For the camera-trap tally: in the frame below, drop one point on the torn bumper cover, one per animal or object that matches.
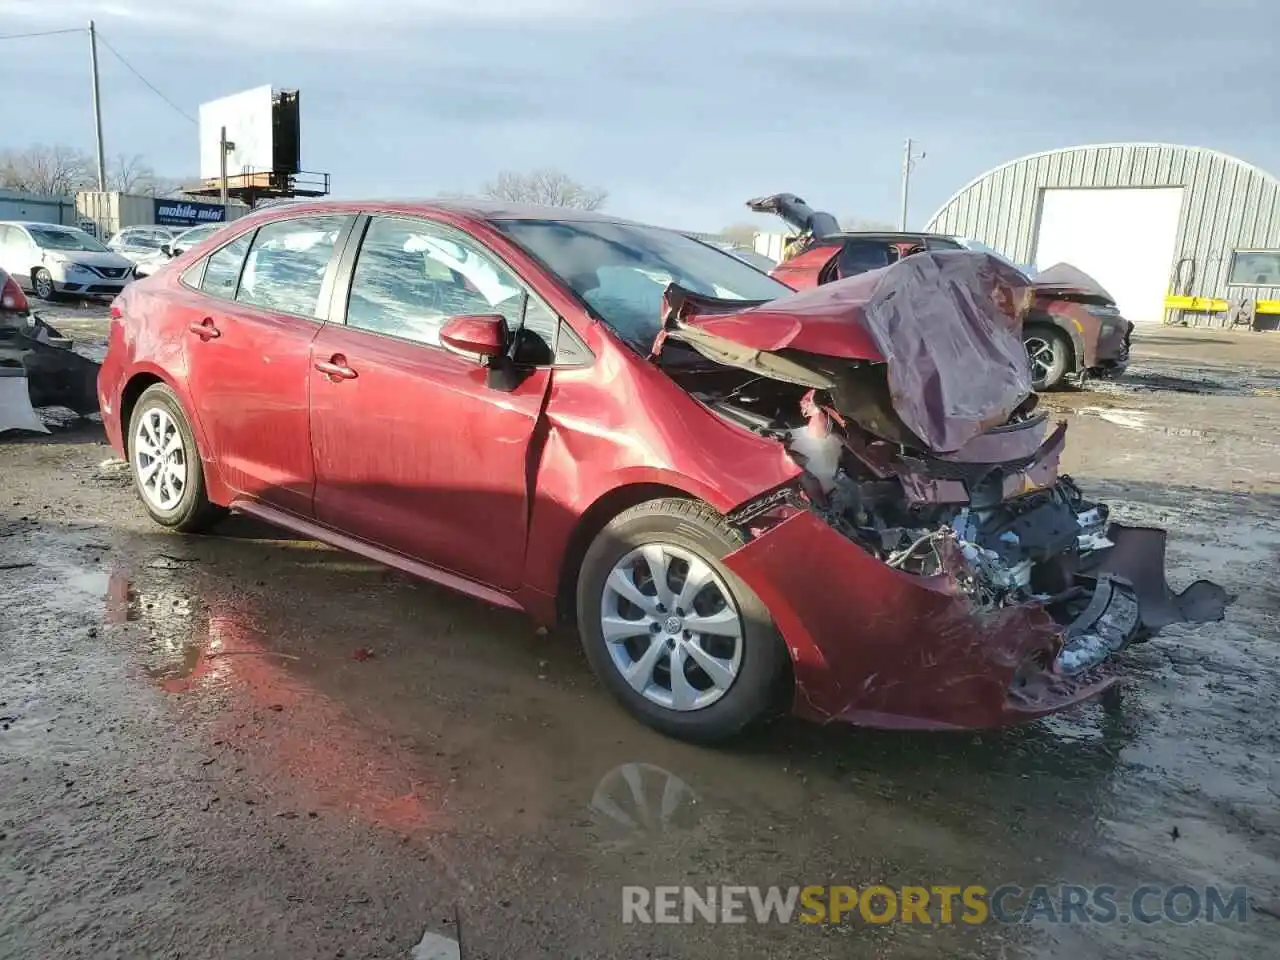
(38, 368)
(879, 647)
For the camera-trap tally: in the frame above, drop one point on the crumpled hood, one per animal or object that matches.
(946, 324)
(1064, 277)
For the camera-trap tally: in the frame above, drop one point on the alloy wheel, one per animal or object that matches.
(1040, 353)
(671, 626)
(160, 459)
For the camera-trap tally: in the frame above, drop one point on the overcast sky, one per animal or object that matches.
(681, 109)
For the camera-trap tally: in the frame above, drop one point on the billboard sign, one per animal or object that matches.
(184, 213)
(248, 118)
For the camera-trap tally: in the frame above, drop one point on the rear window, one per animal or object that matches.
(1255, 268)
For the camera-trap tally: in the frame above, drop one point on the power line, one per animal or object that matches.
(42, 33)
(151, 86)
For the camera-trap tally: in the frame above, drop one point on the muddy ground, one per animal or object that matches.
(245, 745)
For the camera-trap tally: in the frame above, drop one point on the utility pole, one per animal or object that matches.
(225, 146)
(97, 107)
(908, 162)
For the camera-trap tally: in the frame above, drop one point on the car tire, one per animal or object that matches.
(183, 506)
(689, 536)
(42, 285)
(1050, 354)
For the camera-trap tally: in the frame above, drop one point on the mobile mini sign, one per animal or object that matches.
(182, 213)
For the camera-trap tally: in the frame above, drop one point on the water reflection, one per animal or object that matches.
(639, 802)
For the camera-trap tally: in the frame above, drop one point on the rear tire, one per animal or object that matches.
(1050, 354)
(716, 632)
(166, 466)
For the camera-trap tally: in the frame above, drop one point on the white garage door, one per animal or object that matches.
(1123, 238)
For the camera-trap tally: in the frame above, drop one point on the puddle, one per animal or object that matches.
(639, 803)
(1132, 419)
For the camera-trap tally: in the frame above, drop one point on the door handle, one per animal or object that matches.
(335, 368)
(205, 329)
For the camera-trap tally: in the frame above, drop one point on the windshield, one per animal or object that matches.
(620, 270)
(65, 238)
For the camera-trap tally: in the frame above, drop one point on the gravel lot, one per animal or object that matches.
(243, 745)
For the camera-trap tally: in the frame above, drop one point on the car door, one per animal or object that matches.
(248, 350)
(414, 451)
(18, 254)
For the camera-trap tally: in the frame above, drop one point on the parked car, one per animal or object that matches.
(141, 241)
(1073, 329)
(191, 237)
(758, 260)
(176, 243)
(38, 367)
(735, 491)
(50, 259)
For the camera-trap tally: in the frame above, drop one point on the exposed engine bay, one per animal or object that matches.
(1033, 547)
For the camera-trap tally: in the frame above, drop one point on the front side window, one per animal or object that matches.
(1255, 268)
(285, 269)
(411, 276)
(222, 269)
(620, 270)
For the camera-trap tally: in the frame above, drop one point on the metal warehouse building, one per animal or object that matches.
(1174, 233)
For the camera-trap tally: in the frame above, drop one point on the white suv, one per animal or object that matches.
(51, 259)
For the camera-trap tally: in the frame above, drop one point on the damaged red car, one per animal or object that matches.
(742, 495)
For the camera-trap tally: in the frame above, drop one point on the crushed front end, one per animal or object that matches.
(957, 583)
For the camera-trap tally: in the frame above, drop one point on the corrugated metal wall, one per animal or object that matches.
(112, 211)
(26, 206)
(1228, 205)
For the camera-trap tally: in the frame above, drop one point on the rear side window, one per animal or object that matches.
(222, 272)
(859, 256)
(286, 265)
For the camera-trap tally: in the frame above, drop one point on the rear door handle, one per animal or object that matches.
(335, 368)
(205, 329)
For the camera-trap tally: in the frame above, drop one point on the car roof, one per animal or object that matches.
(888, 235)
(474, 208)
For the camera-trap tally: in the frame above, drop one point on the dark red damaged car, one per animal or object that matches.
(740, 493)
(1072, 331)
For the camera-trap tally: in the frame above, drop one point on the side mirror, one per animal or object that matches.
(484, 335)
(167, 250)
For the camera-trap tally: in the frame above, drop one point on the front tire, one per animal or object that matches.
(680, 641)
(42, 284)
(1050, 354)
(165, 462)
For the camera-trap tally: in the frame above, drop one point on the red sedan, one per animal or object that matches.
(735, 490)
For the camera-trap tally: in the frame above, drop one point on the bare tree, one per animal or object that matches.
(546, 187)
(49, 171)
(129, 174)
(864, 223)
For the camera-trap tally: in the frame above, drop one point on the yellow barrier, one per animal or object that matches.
(1214, 305)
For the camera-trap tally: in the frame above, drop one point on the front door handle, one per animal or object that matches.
(205, 329)
(335, 368)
